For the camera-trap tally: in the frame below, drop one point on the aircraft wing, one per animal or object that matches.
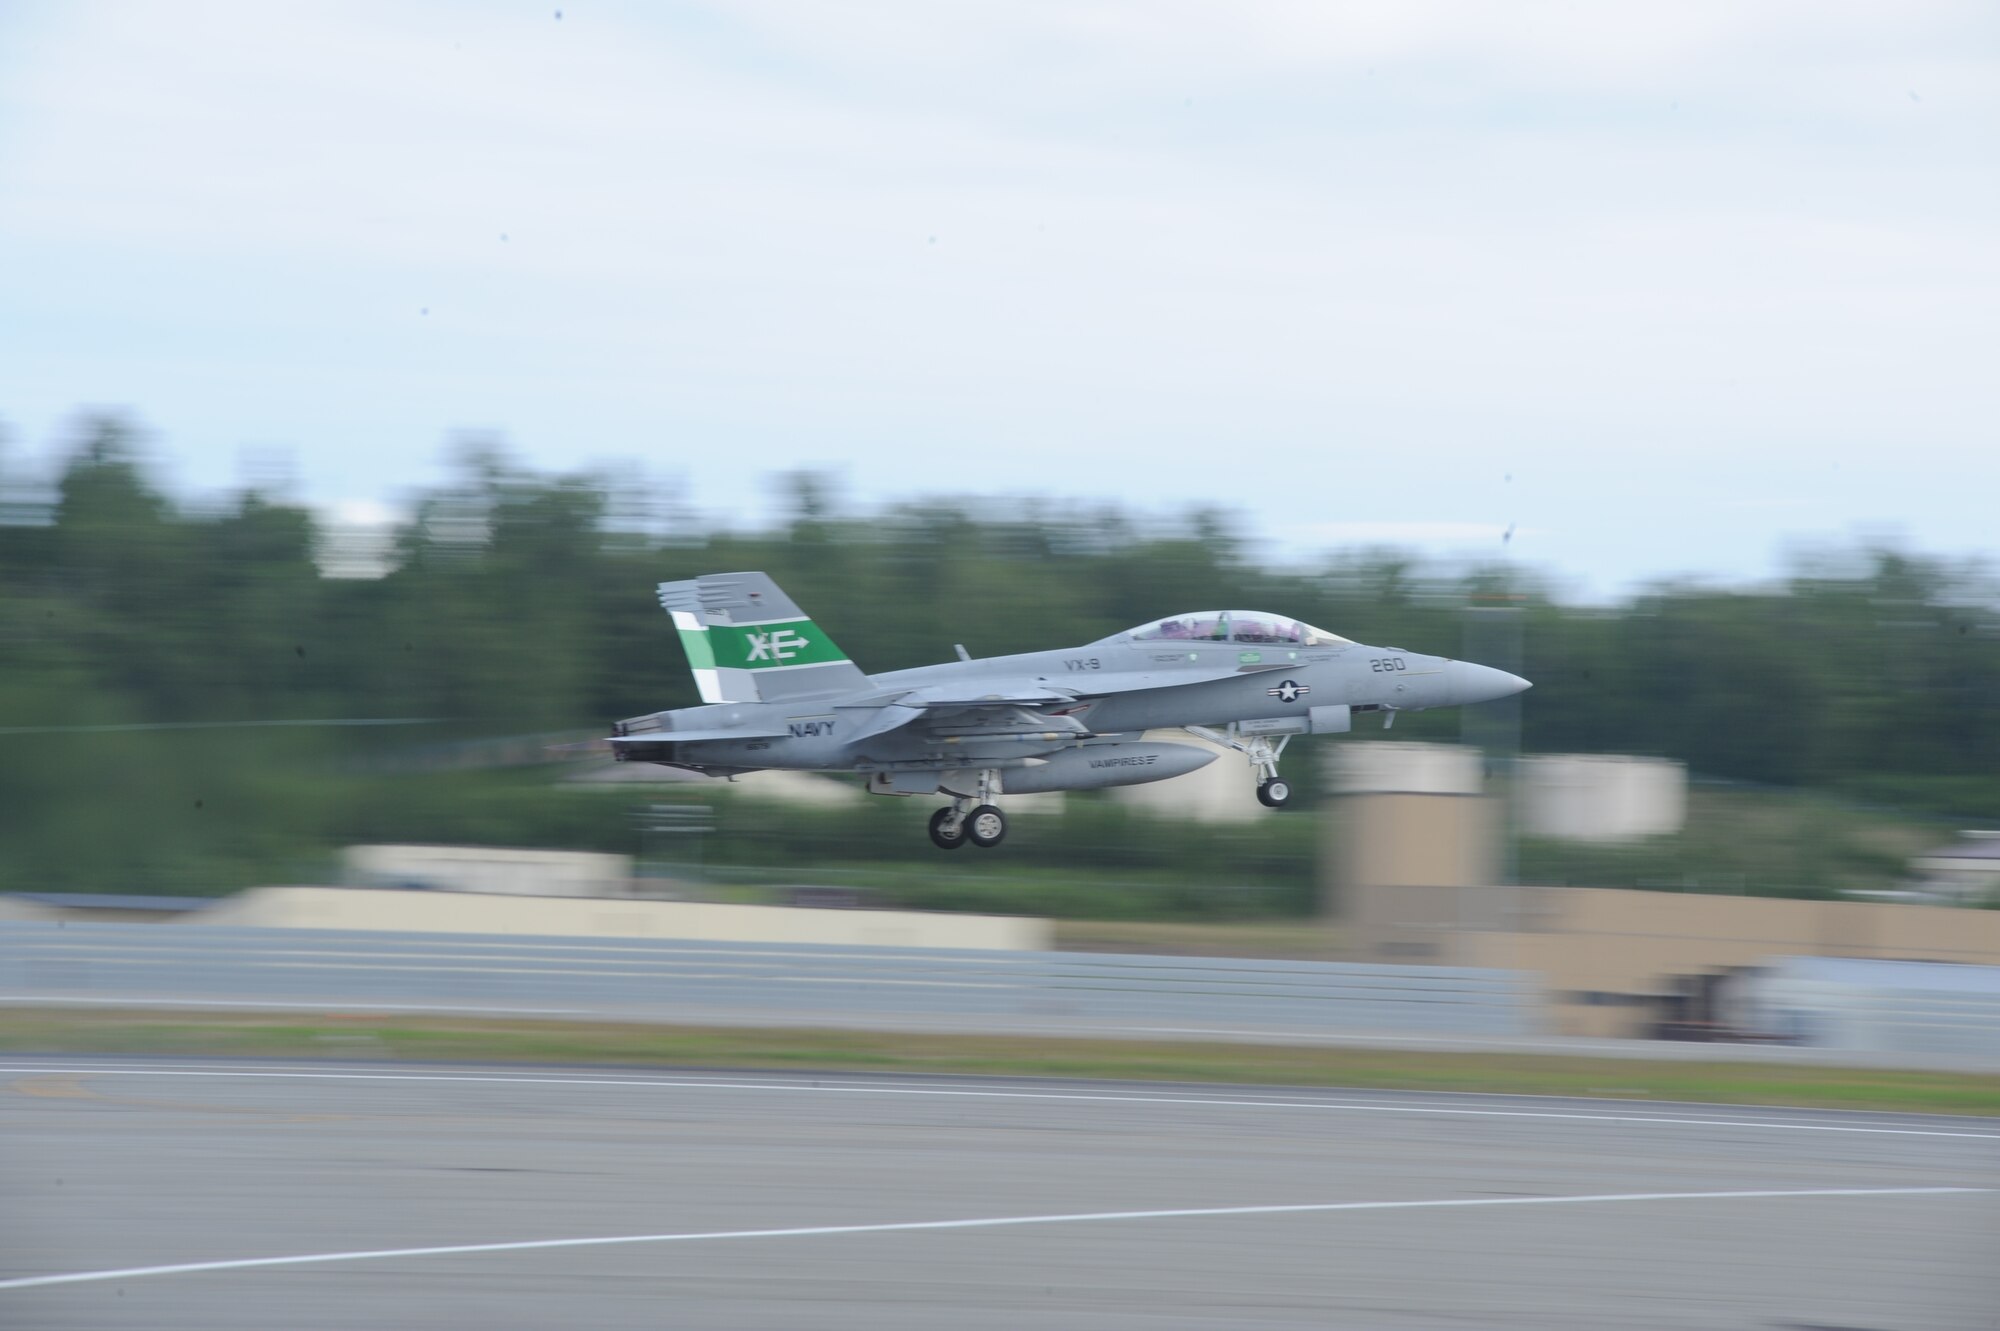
(1023, 692)
(996, 707)
(951, 708)
(1133, 681)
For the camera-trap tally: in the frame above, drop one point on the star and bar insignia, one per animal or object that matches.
(1289, 691)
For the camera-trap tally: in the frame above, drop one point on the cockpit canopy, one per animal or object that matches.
(1251, 627)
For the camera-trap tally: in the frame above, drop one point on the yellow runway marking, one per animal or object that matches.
(65, 1087)
(69, 1086)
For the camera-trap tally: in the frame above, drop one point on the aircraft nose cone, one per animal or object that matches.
(1471, 683)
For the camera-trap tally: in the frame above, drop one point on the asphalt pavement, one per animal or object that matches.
(185, 1194)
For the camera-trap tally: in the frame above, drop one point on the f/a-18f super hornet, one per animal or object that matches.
(777, 693)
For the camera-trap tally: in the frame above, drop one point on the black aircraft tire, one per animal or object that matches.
(938, 837)
(985, 827)
(1275, 793)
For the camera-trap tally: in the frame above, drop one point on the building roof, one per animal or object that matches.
(1972, 848)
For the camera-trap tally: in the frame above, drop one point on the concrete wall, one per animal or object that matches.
(1385, 766)
(1392, 842)
(1884, 1007)
(475, 913)
(1614, 944)
(541, 873)
(1405, 816)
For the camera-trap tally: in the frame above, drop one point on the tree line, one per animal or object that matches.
(144, 643)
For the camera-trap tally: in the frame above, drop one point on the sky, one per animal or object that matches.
(1617, 291)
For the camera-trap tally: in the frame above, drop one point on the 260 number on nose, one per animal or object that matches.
(1385, 664)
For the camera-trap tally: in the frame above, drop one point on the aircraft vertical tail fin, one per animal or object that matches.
(747, 642)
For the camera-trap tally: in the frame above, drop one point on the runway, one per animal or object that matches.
(209, 1194)
(1066, 995)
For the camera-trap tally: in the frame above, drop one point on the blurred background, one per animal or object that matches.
(199, 697)
(363, 368)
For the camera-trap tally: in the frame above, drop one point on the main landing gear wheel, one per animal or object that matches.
(947, 830)
(1275, 793)
(984, 827)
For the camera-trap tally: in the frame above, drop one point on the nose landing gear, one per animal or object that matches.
(1263, 751)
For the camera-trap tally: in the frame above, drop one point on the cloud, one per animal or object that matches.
(1251, 255)
(1768, 503)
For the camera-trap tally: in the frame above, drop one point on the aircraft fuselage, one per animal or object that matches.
(1161, 686)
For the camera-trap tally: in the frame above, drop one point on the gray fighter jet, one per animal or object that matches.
(777, 693)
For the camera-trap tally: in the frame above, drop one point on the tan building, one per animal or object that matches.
(1410, 877)
(1611, 960)
(1968, 871)
(1600, 796)
(1406, 815)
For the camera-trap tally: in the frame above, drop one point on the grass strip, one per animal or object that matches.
(446, 1039)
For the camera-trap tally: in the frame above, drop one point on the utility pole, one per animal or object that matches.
(1493, 632)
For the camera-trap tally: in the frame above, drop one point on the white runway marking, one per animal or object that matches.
(965, 1092)
(1087, 1217)
(718, 970)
